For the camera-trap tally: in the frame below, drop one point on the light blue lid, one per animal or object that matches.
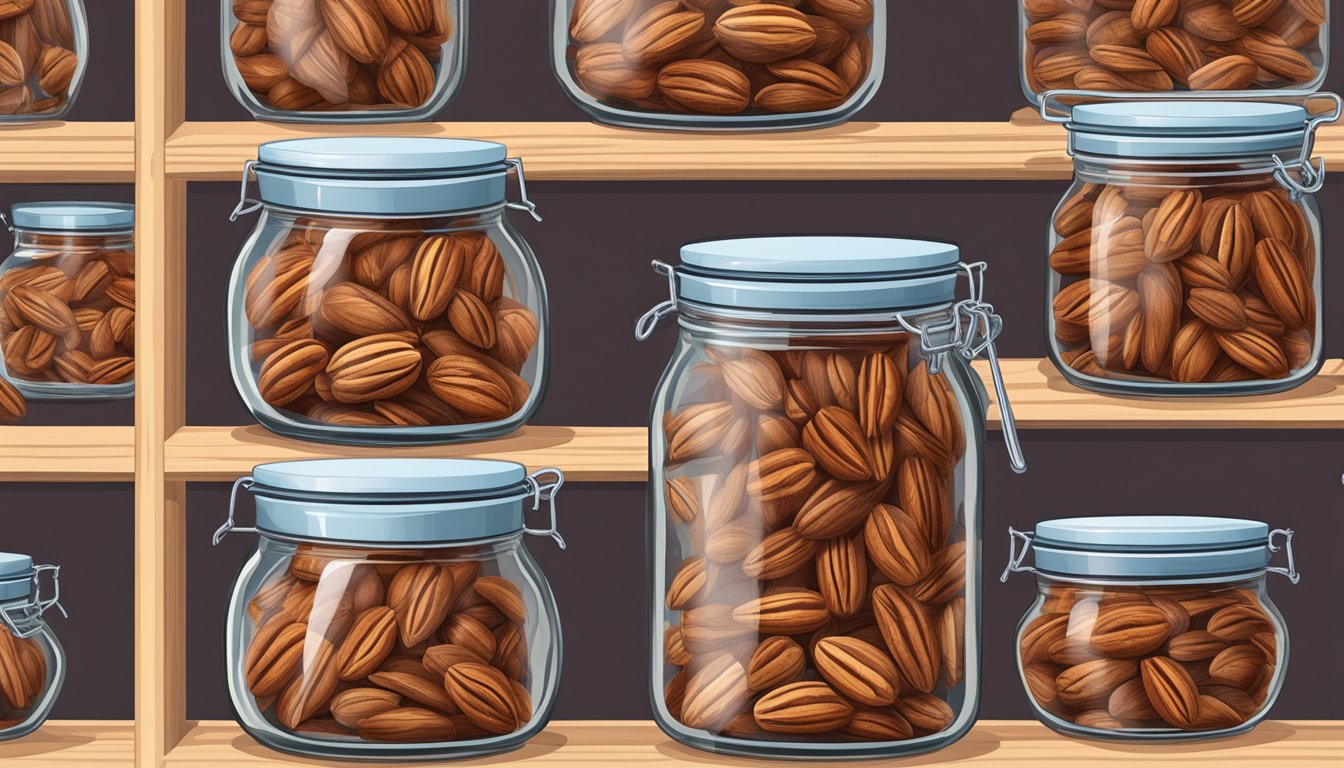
(73, 217)
(1144, 546)
(16, 576)
(382, 153)
(1186, 129)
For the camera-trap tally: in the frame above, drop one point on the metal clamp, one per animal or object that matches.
(1015, 558)
(228, 526)
(26, 620)
(648, 323)
(546, 492)
(4, 219)
(1291, 570)
(246, 204)
(1313, 175)
(526, 205)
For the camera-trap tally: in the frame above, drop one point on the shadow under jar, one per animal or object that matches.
(44, 49)
(353, 61)
(32, 662)
(1152, 628)
(1186, 257)
(383, 297)
(719, 64)
(815, 499)
(1250, 48)
(391, 610)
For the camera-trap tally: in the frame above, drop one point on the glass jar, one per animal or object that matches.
(815, 498)
(719, 64)
(1152, 628)
(46, 44)
(1247, 49)
(391, 611)
(353, 62)
(32, 662)
(67, 301)
(383, 297)
(1186, 257)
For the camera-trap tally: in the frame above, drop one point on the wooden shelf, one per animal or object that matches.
(67, 454)
(993, 744)
(72, 743)
(54, 153)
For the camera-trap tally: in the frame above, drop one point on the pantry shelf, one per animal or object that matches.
(67, 743)
(67, 454)
(54, 153)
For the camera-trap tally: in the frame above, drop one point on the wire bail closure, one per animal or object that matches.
(546, 493)
(26, 620)
(1313, 176)
(1291, 571)
(246, 204)
(228, 527)
(1015, 558)
(649, 322)
(526, 204)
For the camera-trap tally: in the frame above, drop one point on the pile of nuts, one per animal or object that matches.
(388, 328)
(1164, 45)
(824, 588)
(1190, 285)
(1120, 658)
(37, 57)
(409, 647)
(23, 677)
(336, 55)
(722, 57)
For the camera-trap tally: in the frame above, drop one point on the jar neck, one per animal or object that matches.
(723, 324)
(47, 240)
(480, 218)
(1255, 171)
(1046, 580)
(443, 550)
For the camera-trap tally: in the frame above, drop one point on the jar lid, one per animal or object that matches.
(1186, 129)
(398, 477)
(16, 576)
(1151, 546)
(73, 217)
(420, 154)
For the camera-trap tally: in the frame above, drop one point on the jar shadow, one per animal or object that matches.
(1324, 384)
(526, 439)
(43, 742)
(540, 745)
(977, 743)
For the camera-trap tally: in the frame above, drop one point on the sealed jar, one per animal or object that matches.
(44, 49)
(1186, 257)
(383, 297)
(719, 64)
(353, 62)
(1251, 48)
(391, 609)
(67, 301)
(1152, 628)
(32, 662)
(815, 497)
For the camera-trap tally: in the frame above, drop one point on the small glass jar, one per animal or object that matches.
(351, 62)
(46, 46)
(32, 662)
(817, 448)
(1245, 49)
(67, 301)
(383, 297)
(391, 610)
(719, 64)
(1186, 257)
(1152, 628)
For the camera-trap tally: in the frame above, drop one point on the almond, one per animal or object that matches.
(775, 662)
(358, 27)
(705, 86)
(373, 368)
(784, 612)
(803, 707)
(835, 508)
(763, 32)
(661, 34)
(1211, 21)
(1239, 623)
(409, 16)
(1171, 691)
(435, 271)
(1220, 309)
(931, 398)
(695, 430)
(1148, 15)
(592, 20)
(415, 686)
(1256, 351)
(952, 641)
(853, 15)
(927, 713)
(410, 725)
(1194, 351)
(715, 693)
(1283, 282)
(946, 576)
(1129, 630)
(842, 575)
(753, 376)
(602, 70)
(779, 554)
(311, 691)
(1092, 682)
(351, 308)
(896, 545)
(857, 670)
(1229, 73)
(712, 627)
(1175, 225)
(471, 386)
(276, 284)
(1177, 51)
(835, 438)
(485, 696)
(350, 706)
(909, 637)
(420, 595)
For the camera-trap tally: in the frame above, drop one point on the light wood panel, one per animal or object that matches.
(67, 454)
(54, 153)
(71, 743)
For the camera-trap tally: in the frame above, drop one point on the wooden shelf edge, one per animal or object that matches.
(67, 454)
(991, 743)
(90, 153)
(73, 743)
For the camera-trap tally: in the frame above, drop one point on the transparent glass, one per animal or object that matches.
(343, 651)
(1184, 279)
(67, 315)
(705, 71)
(815, 494)
(34, 671)
(1259, 49)
(1152, 660)
(49, 40)
(314, 62)
(387, 330)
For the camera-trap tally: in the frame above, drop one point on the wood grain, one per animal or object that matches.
(71, 743)
(67, 454)
(54, 153)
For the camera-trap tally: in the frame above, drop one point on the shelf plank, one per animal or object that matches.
(72, 743)
(992, 744)
(54, 153)
(67, 454)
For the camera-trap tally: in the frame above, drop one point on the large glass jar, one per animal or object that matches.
(719, 64)
(44, 49)
(32, 663)
(1150, 628)
(392, 611)
(357, 61)
(815, 498)
(383, 297)
(1251, 48)
(1186, 257)
(67, 302)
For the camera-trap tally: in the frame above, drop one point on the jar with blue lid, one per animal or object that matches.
(32, 662)
(1186, 257)
(383, 297)
(67, 301)
(1152, 628)
(391, 610)
(817, 451)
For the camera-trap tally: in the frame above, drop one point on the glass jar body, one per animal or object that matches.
(700, 66)
(51, 40)
(297, 61)
(1170, 279)
(1199, 660)
(26, 697)
(69, 315)
(342, 651)
(388, 330)
(1275, 48)
(815, 492)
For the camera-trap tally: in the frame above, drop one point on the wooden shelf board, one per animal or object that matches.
(72, 743)
(56, 153)
(994, 744)
(66, 454)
